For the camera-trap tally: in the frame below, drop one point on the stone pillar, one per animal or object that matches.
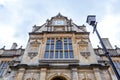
(97, 74)
(12, 75)
(43, 74)
(74, 74)
(20, 74)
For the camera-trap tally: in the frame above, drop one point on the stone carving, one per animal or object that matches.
(32, 54)
(85, 54)
(86, 79)
(30, 79)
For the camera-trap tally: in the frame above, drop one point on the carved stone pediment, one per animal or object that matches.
(85, 54)
(32, 54)
(82, 42)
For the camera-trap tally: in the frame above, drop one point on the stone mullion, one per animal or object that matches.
(74, 74)
(20, 74)
(43, 74)
(97, 74)
(63, 47)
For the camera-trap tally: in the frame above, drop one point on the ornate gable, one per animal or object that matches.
(59, 23)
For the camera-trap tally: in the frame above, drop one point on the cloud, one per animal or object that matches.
(18, 17)
(109, 27)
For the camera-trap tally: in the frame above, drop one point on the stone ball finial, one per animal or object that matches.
(116, 46)
(3, 47)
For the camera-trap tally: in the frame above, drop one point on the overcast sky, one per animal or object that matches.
(18, 16)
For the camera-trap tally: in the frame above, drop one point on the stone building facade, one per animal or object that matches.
(58, 50)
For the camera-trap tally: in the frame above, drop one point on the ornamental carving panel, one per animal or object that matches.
(32, 75)
(32, 54)
(85, 54)
(105, 75)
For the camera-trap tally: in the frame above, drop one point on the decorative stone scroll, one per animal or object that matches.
(85, 54)
(32, 54)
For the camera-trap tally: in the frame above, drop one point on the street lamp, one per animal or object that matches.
(91, 20)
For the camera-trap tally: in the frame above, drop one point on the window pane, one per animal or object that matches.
(48, 40)
(46, 55)
(117, 66)
(61, 54)
(66, 54)
(52, 47)
(65, 46)
(70, 47)
(47, 47)
(3, 68)
(69, 40)
(59, 45)
(51, 54)
(52, 40)
(71, 54)
(56, 54)
(65, 40)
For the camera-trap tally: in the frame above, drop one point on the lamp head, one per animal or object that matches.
(91, 20)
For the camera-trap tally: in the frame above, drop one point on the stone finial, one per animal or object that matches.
(83, 25)
(34, 26)
(14, 46)
(20, 47)
(3, 47)
(98, 46)
(116, 47)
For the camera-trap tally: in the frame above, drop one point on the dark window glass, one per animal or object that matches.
(61, 54)
(70, 47)
(117, 65)
(52, 47)
(47, 47)
(71, 54)
(66, 54)
(48, 40)
(56, 54)
(3, 68)
(65, 46)
(65, 40)
(51, 54)
(46, 55)
(59, 45)
(52, 40)
(69, 40)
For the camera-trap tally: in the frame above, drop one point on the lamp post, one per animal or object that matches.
(91, 20)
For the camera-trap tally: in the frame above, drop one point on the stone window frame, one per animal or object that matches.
(59, 52)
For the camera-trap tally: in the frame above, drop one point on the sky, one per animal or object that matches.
(17, 17)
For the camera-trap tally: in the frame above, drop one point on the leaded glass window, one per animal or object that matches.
(3, 68)
(59, 48)
(46, 54)
(117, 65)
(59, 45)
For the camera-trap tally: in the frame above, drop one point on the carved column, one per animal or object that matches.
(97, 74)
(43, 74)
(20, 74)
(74, 74)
